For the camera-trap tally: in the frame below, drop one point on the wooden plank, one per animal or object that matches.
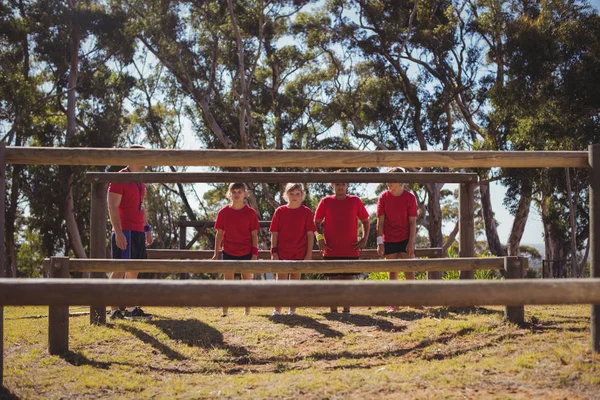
(296, 158)
(283, 177)
(98, 215)
(314, 266)
(176, 254)
(58, 315)
(594, 160)
(1, 347)
(466, 222)
(2, 206)
(193, 293)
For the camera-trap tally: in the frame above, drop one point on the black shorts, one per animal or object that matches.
(225, 256)
(136, 246)
(395, 247)
(341, 274)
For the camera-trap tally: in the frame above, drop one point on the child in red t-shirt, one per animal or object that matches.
(292, 230)
(237, 230)
(337, 229)
(396, 225)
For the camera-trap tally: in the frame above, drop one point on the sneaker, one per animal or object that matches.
(346, 311)
(275, 312)
(292, 312)
(247, 311)
(391, 309)
(224, 314)
(116, 314)
(136, 313)
(333, 310)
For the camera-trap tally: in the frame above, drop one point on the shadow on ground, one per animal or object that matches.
(306, 322)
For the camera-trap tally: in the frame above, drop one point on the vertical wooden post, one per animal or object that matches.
(513, 267)
(466, 225)
(58, 316)
(98, 211)
(435, 275)
(182, 233)
(2, 259)
(594, 160)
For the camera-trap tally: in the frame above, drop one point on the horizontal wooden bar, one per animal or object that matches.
(296, 158)
(314, 266)
(191, 293)
(176, 254)
(283, 177)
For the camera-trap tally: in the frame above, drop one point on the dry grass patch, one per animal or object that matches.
(193, 352)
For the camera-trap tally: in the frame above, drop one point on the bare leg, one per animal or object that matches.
(117, 275)
(333, 309)
(228, 277)
(247, 277)
(347, 278)
(294, 277)
(281, 277)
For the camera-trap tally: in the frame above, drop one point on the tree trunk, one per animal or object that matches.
(572, 211)
(548, 256)
(69, 212)
(489, 222)
(435, 215)
(520, 221)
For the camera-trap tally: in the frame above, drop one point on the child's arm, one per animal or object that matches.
(380, 224)
(310, 242)
(255, 243)
(218, 242)
(274, 242)
(319, 236)
(366, 227)
(412, 228)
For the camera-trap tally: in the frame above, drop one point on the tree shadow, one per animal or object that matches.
(6, 394)
(439, 312)
(365, 320)
(305, 322)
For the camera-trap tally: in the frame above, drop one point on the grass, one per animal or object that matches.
(194, 353)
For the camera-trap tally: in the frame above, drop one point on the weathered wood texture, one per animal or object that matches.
(594, 160)
(282, 177)
(2, 259)
(98, 216)
(466, 222)
(314, 266)
(298, 293)
(175, 254)
(58, 315)
(514, 269)
(1, 346)
(297, 158)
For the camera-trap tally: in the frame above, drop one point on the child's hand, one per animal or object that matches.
(360, 244)
(215, 257)
(380, 250)
(254, 257)
(323, 246)
(149, 238)
(308, 257)
(410, 249)
(274, 256)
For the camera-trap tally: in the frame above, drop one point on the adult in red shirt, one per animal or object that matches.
(396, 225)
(337, 229)
(130, 231)
(292, 233)
(237, 232)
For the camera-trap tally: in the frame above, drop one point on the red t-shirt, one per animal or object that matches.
(292, 224)
(237, 228)
(340, 226)
(397, 210)
(132, 218)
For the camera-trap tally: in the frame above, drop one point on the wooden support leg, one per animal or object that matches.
(594, 161)
(58, 316)
(98, 212)
(514, 270)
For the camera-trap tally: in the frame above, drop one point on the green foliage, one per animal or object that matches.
(30, 255)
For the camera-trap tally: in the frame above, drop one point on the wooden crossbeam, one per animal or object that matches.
(283, 177)
(176, 254)
(262, 266)
(296, 158)
(56, 292)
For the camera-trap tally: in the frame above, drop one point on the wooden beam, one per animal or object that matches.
(283, 177)
(513, 267)
(314, 266)
(98, 215)
(466, 223)
(296, 158)
(594, 160)
(2, 259)
(192, 293)
(58, 315)
(175, 254)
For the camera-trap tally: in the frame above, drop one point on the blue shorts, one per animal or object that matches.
(136, 246)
